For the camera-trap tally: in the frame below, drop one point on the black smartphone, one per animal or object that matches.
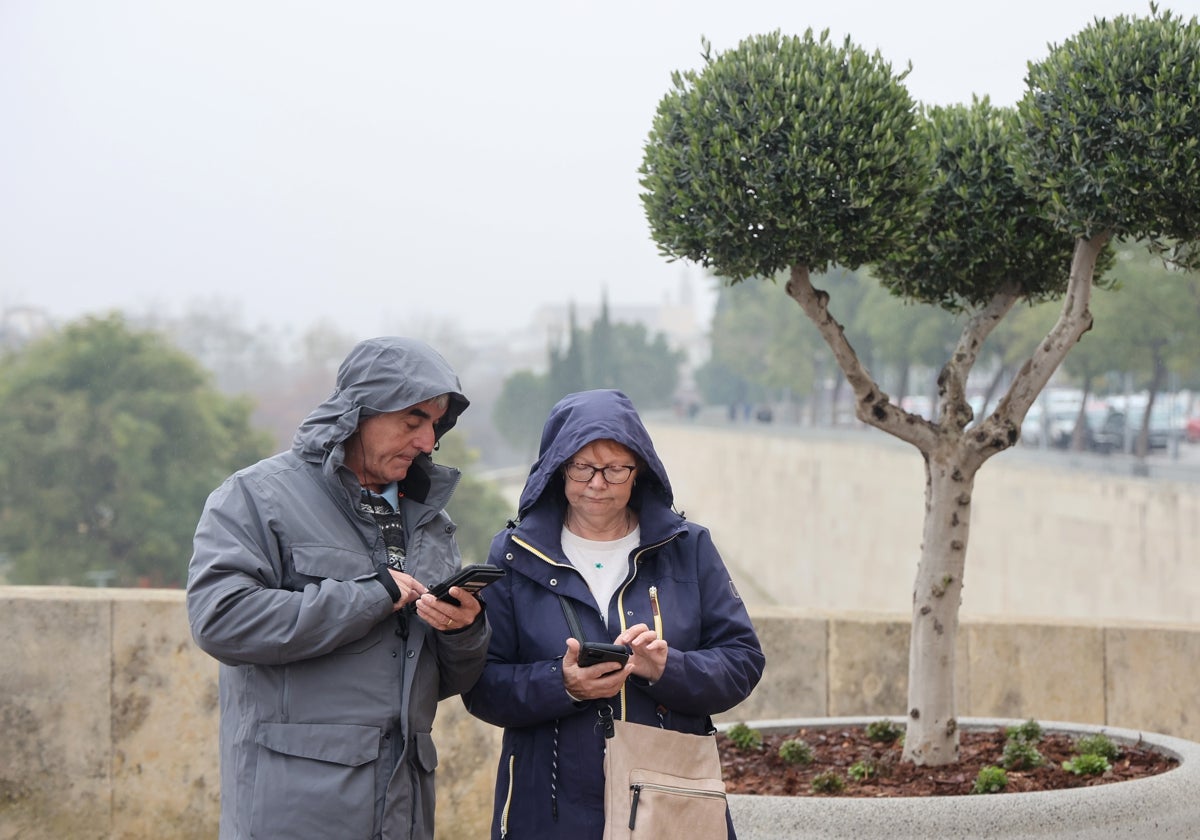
(593, 653)
(471, 578)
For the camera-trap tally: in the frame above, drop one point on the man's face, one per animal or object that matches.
(387, 444)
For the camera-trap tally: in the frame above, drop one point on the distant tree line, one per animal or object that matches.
(111, 439)
(606, 355)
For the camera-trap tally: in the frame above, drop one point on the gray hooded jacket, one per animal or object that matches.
(327, 697)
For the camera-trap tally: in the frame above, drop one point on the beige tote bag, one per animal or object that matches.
(661, 784)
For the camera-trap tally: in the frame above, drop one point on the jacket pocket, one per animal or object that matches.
(317, 562)
(311, 780)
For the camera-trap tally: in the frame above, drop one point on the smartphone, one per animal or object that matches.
(471, 578)
(593, 653)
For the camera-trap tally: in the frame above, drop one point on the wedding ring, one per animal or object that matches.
(447, 622)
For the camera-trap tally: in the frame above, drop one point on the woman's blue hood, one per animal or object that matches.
(585, 417)
(378, 376)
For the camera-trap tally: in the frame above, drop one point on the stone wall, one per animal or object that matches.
(110, 711)
(834, 523)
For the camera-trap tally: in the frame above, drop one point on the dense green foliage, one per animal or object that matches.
(982, 230)
(1112, 132)
(786, 150)
(112, 440)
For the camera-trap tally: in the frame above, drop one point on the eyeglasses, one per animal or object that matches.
(583, 472)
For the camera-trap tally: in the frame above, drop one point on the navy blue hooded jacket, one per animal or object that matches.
(551, 780)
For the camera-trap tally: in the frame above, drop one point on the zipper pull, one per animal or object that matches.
(637, 792)
(654, 609)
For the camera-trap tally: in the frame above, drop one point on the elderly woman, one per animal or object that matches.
(597, 527)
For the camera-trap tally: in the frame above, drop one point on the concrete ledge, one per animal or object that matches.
(1163, 807)
(110, 711)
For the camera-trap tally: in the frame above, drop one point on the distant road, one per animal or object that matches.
(1178, 463)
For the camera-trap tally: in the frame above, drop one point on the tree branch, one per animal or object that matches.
(871, 404)
(952, 381)
(1073, 321)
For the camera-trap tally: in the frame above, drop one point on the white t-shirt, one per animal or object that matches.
(604, 564)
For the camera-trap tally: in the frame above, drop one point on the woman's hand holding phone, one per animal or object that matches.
(596, 681)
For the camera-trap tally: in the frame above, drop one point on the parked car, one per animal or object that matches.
(1111, 435)
(1057, 428)
(1191, 429)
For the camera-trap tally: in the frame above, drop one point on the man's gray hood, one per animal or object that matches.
(378, 376)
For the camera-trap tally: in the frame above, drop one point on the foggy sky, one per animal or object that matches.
(388, 164)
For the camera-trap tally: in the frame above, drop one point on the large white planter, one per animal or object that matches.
(1162, 806)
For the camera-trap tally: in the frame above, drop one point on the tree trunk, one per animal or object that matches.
(952, 456)
(932, 733)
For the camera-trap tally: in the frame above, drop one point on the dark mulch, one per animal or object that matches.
(764, 772)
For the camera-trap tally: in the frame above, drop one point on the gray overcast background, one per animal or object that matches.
(384, 164)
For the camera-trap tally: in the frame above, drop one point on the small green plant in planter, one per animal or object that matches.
(1088, 764)
(1029, 731)
(828, 782)
(1020, 754)
(1099, 744)
(860, 771)
(884, 730)
(1020, 750)
(796, 751)
(991, 779)
(745, 738)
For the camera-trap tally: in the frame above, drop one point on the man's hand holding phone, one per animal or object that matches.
(450, 604)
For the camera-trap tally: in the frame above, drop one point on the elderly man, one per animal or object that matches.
(308, 582)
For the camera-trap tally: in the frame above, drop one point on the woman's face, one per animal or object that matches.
(596, 499)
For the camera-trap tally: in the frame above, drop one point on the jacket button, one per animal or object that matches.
(393, 654)
(411, 654)
(554, 581)
(508, 556)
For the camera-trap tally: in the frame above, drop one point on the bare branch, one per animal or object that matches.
(871, 404)
(952, 382)
(1073, 321)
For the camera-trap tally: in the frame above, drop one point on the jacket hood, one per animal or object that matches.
(379, 375)
(582, 418)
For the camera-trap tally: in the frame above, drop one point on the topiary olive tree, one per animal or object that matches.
(795, 154)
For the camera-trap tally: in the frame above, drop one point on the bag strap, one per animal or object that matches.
(604, 710)
(572, 618)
